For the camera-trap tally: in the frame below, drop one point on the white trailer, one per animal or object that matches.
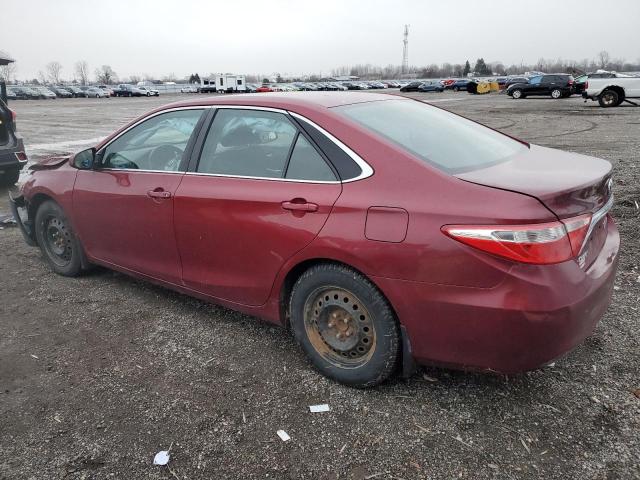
(223, 83)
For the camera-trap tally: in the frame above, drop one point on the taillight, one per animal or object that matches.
(539, 243)
(586, 85)
(13, 116)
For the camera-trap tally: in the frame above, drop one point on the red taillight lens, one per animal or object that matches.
(577, 228)
(13, 116)
(586, 85)
(540, 243)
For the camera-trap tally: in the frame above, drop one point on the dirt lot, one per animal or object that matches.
(97, 374)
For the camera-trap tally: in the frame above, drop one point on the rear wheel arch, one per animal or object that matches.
(300, 268)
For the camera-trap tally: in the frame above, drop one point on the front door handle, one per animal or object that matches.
(300, 205)
(159, 193)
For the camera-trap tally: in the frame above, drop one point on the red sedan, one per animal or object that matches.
(379, 229)
(264, 89)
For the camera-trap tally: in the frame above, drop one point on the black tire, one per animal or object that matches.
(358, 349)
(556, 93)
(609, 98)
(517, 93)
(56, 239)
(9, 177)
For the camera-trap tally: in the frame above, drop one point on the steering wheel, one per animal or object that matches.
(166, 157)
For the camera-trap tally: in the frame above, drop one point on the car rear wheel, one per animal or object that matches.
(609, 98)
(556, 93)
(9, 177)
(57, 241)
(345, 325)
(517, 94)
(456, 89)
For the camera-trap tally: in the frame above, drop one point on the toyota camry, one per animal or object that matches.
(380, 230)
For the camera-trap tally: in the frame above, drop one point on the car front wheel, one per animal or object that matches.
(57, 241)
(556, 93)
(517, 94)
(345, 325)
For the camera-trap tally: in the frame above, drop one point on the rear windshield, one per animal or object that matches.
(449, 142)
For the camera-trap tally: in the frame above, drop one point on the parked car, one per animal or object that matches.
(264, 88)
(469, 248)
(611, 91)
(25, 93)
(12, 154)
(126, 90)
(108, 89)
(431, 86)
(579, 84)
(553, 85)
(11, 95)
(513, 80)
(60, 91)
(150, 92)
(461, 84)
(189, 89)
(75, 91)
(412, 87)
(95, 92)
(447, 83)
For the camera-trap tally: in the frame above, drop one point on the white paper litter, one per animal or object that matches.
(319, 408)
(283, 435)
(161, 458)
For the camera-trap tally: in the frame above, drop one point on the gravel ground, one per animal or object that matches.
(99, 373)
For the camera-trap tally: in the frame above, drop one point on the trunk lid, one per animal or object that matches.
(568, 184)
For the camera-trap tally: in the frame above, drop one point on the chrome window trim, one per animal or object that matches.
(141, 170)
(366, 169)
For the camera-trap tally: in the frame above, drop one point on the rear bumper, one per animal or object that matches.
(537, 314)
(8, 157)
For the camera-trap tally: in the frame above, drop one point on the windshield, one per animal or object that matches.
(447, 141)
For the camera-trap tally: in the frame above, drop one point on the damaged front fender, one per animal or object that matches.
(20, 213)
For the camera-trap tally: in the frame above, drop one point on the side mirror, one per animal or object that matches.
(85, 159)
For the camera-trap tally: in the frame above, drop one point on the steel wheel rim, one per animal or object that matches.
(607, 98)
(57, 241)
(339, 327)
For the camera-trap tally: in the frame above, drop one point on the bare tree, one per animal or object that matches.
(53, 72)
(603, 59)
(42, 78)
(105, 74)
(82, 72)
(7, 72)
(134, 79)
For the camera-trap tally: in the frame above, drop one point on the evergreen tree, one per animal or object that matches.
(467, 69)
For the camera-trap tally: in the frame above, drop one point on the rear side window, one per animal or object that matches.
(307, 164)
(448, 142)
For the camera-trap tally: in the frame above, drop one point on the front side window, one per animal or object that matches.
(450, 143)
(248, 143)
(155, 144)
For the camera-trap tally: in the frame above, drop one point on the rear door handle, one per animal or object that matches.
(159, 194)
(300, 206)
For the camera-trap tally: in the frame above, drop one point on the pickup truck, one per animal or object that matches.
(612, 89)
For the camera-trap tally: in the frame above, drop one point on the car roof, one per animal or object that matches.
(289, 100)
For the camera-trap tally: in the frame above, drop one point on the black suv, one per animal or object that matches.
(554, 85)
(12, 156)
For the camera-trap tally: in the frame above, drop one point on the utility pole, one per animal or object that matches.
(405, 50)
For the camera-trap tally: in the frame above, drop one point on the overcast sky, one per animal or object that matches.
(297, 37)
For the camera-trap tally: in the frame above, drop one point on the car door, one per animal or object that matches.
(549, 82)
(259, 192)
(123, 208)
